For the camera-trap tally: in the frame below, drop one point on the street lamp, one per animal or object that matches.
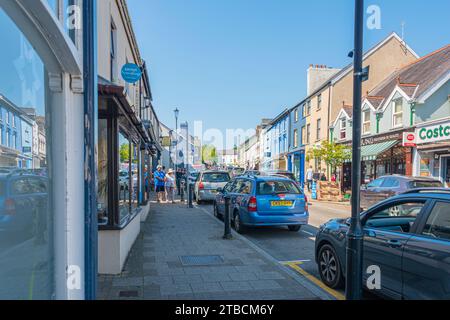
(354, 250)
(176, 113)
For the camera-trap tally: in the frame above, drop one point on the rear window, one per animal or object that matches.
(216, 177)
(276, 187)
(425, 184)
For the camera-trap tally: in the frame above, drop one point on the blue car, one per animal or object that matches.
(263, 201)
(406, 238)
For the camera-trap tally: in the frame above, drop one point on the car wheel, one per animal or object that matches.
(394, 211)
(294, 228)
(237, 224)
(330, 267)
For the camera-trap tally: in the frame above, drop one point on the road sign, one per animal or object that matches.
(131, 73)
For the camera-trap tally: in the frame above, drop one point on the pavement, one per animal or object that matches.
(157, 267)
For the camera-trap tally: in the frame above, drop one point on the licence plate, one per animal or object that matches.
(281, 203)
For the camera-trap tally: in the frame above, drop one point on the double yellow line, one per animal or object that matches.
(296, 266)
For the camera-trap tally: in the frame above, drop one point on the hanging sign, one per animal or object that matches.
(409, 139)
(131, 73)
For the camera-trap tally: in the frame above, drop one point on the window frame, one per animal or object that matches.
(424, 219)
(319, 101)
(295, 142)
(365, 122)
(343, 128)
(318, 129)
(397, 114)
(308, 133)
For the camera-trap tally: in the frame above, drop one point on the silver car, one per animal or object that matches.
(207, 183)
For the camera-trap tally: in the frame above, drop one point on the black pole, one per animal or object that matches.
(90, 145)
(191, 193)
(355, 233)
(227, 219)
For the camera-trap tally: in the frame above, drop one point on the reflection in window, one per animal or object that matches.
(102, 197)
(124, 176)
(26, 220)
(134, 171)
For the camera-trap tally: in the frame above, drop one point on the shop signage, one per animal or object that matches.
(379, 139)
(434, 133)
(409, 139)
(131, 73)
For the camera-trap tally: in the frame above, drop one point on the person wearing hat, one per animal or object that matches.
(159, 177)
(170, 186)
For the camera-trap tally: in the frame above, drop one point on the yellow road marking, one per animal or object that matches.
(296, 266)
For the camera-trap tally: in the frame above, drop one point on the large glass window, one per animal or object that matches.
(124, 176)
(26, 216)
(103, 194)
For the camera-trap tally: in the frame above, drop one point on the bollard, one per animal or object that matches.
(227, 219)
(190, 195)
(182, 191)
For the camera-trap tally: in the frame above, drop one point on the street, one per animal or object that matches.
(296, 247)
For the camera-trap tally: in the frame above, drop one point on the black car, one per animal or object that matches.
(407, 237)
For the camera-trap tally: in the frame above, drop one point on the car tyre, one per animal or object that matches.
(237, 224)
(330, 267)
(294, 228)
(216, 211)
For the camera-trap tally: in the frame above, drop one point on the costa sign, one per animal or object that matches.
(434, 133)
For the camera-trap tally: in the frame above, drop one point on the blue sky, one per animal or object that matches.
(232, 62)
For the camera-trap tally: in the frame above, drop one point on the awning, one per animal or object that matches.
(370, 152)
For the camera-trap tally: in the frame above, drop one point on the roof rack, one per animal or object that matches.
(428, 190)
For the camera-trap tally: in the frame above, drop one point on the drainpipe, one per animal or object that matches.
(412, 113)
(90, 143)
(378, 116)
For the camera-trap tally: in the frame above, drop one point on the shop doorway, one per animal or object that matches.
(446, 173)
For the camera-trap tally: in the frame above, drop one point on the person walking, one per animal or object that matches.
(160, 177)
(170, 186)
(309, 177)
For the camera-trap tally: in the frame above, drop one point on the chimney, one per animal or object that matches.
(317, 75)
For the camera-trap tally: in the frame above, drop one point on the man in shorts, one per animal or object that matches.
(160, 177)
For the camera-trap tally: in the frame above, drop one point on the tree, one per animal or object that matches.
(209, 154)
(334, 155)
(124, 152)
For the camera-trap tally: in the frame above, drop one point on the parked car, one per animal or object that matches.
(263, 201)
(389, 186)
(207, 183)
(283, 173)
(23, 207)
(235, 172)
(406, 236)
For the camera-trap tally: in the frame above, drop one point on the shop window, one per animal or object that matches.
(397, 118)
(26, 215)
(366, 122)
(102, 160)
(125, 176)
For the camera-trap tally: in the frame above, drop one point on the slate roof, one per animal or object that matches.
(415, 78)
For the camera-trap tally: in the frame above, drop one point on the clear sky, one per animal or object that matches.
(232, 62)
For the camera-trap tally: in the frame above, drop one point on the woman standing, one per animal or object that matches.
(170, 186)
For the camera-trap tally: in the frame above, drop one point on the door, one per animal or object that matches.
(386, 232)
(447, 172)
(426, 260)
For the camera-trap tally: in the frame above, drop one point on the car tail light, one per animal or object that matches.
(306, 203)
(252, 207)
(10, 206)
(201, 186)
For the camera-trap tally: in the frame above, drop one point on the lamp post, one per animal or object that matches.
(354, 250)
(176, 113)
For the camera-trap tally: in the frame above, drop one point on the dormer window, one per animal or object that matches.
(366, 122)
(343, 133)
(397, 117)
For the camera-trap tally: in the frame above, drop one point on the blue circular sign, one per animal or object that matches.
(131, 73)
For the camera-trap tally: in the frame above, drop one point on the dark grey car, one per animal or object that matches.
(407, 237)
(389, 186)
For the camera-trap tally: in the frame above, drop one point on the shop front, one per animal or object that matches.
(432, 155)
(380, 155)
(123, 161)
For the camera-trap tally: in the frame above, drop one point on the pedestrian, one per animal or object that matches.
(159, 183)
(309, 177)
(170, 186)
(323, 176)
